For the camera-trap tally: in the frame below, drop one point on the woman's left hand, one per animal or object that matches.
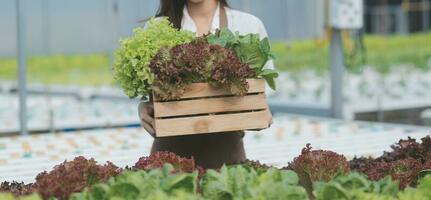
(146, 115)
(270, 122)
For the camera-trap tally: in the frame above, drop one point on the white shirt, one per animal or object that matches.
(239, 21)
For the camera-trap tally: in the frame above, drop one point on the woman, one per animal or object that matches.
(203, 16)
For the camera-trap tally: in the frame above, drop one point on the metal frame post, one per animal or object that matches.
(22, 67)
(425, 15)
(337, 73)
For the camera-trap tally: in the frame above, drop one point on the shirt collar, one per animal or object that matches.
(187, 22)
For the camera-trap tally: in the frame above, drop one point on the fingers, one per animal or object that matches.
(141, 108)
(145, 117)
(146, 113)
(149, 128)
(150, 108)
(146, 107)
(270, 121)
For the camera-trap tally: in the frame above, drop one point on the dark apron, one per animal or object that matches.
(210, 150)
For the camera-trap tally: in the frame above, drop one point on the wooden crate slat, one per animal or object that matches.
(211, 123)
(197, 90)
(212, 105)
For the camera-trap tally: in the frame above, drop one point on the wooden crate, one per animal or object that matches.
(206, 109)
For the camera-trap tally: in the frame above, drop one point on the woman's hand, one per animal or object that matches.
(270, 122)
(146, 115)
(269, 118)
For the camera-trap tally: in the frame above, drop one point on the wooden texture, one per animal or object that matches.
(211, 105)
(197, 90)
(206, 109)
(212, 123)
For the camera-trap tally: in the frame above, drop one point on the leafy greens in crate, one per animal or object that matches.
(250, 49)
(131, 69)
(195, 62)
(222, 59)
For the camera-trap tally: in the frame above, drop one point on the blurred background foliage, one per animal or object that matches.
(381, 53)
(92, 69)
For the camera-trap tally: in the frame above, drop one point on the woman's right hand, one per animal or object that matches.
(146, 115)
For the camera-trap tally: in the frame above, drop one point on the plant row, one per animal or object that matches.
(402, 173)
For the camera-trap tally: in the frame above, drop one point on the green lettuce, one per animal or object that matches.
(237, 182)
(355, 186)
(250, 49)
(153, 184)
(131, 69)
(421, 192)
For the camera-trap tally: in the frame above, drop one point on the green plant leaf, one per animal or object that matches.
(332, 191)
(270, 81)
(185, 182)
(424, 173)
(289, 177)
(124, 190)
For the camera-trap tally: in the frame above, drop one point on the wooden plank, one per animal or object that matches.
(211, 123)
(197, 90)
(211, 105)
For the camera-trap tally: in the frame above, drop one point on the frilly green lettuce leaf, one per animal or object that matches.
(250, 49)
(131, 68)
(355, 186)
(237, 182)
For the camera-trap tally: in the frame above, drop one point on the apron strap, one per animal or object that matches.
(223, 17)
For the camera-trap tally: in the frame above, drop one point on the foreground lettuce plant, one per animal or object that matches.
(421, 192)
(405, 162)
(355, 186)
(159, 159)
(153, 184)
(406, 171)
(73, 176)
(317, 165)
(239, 183)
